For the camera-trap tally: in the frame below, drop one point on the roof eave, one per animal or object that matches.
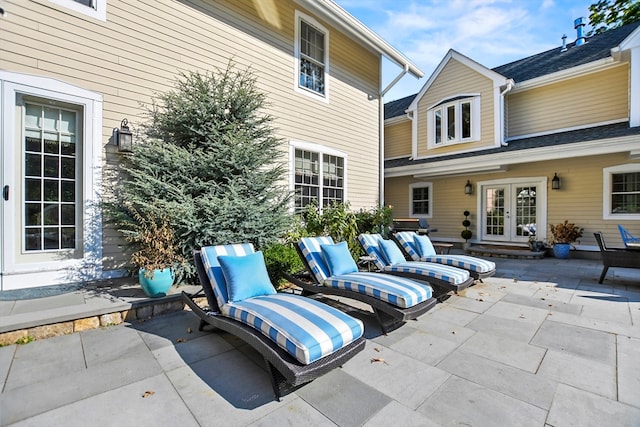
(340, 18)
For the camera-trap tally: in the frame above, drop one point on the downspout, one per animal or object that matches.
(510, 84)
(404, 71)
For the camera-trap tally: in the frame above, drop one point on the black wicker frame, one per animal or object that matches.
(389, 316)
(286, 373)
(615, 257)
(474, 274)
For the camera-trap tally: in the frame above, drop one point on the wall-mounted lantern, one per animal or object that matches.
(124, 137)
(468, 188)
(555, 182)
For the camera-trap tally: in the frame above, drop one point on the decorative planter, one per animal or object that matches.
(561, 250)
(159, 284)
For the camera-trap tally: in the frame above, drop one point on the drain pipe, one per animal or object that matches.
(510, 84)
(404, 71)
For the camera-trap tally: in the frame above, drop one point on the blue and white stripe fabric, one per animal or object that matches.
(210, 256)
(430, 270)
(305, 328)
(478, 265)
(398, 291)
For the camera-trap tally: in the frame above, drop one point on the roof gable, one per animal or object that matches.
(497, 79)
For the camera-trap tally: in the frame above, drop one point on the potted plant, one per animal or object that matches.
(562, 236)
(466, 233)
(157, 253)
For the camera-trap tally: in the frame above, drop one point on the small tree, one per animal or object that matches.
(209, 163)
(608, 14)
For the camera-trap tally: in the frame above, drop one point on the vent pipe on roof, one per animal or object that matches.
(564, 43)
(579, 24)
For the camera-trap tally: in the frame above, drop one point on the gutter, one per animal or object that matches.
(503, 118)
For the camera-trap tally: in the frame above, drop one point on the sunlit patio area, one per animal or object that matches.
(539, 344)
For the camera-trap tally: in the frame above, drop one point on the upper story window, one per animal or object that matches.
(312, 64)
(319, 175)
(94, 8)
(622, 192)
(453, 121)
(421, 200)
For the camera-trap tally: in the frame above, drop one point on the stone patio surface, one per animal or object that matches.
(539, 344)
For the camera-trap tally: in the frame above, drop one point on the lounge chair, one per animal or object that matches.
(615, 257)
(629, 240)
(332, 271)
(420, 248)
(388, 258)
(299, 338)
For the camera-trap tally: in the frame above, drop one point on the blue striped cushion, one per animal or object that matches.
(470, 263)
(451, 275)
(310, 247)
(214, 271)
(463, 261)
(305, 328)
(399, 291)
(371, 245)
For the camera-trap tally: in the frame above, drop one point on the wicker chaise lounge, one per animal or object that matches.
(284, 328)
(388, 258)
(614, 257)
(420, 248)
(394, 300)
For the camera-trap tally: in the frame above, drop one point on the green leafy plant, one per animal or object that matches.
(466, 234)
(565, 232)
(281, 258)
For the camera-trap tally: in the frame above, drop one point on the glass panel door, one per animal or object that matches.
(526, 212)
(496, 213)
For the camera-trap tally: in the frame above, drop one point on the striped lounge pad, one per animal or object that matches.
(478, 265)
(399, 291)
(428, 270)
(305, 328)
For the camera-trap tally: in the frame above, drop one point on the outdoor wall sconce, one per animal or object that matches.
(555, 182)
(124, 137)
(468, 188)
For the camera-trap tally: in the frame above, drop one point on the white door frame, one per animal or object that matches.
(541, 208)
(16, 275)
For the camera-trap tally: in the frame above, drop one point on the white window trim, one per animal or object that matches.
(321, 150)
(421, 185)
(606, 191)
(62, 271)
(100, 12)
(442, 104)
(299, 16)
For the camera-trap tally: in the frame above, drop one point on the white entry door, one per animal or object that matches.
(513, 211)
(48, 181)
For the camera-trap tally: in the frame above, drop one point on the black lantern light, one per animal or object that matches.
(468, 188)
(555, 182)
(125, 138)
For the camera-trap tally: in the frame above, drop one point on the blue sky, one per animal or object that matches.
(491, 32)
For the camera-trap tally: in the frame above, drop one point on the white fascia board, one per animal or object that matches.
(340, 18)
(500, 161)
(578, 71)
(632, 40)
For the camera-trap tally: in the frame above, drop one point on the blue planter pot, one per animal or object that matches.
(561, 250)
(159, 284)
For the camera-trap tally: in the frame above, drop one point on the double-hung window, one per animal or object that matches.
(312, 43)
(421, 200)
(622, 192)
(454, 120)
(318, 176)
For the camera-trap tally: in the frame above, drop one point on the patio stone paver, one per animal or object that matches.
(524, 386)
(344, 400)
(575, 407)
(586, 374)
(629, 370)
(463, 403)
(505, 350)
(539, 344)
(403, 378)
(587, 343)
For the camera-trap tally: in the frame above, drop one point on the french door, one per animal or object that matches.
(513, 211)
